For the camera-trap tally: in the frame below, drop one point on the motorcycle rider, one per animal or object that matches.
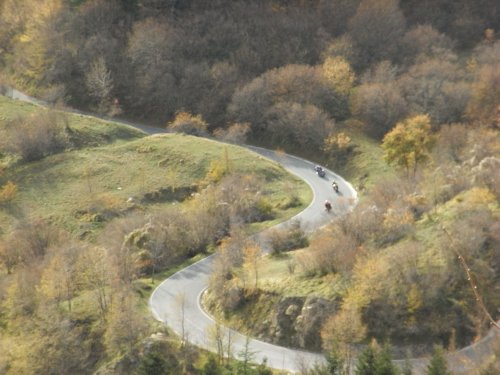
(328, 205)
(335, 187)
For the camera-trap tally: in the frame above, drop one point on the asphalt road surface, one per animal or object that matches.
(176, 301)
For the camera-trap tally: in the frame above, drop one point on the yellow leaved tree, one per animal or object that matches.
(409, 143)
(339, 74)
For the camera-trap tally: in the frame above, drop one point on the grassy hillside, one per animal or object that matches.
(82, 188)
(89, 130)
(109, 179)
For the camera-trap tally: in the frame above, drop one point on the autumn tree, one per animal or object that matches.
(409, 143)
(379, 106)
(333, 250)
(378, 102)
(187, 123)
(94, 275)
(342, 331)
(96, 29)
(436, 86)
(220, 82)
(235, 133)
(21, 295)
(293, 87)
(59, 278)
(265, 42)
(335, 14)
(377, 28)
(344, 47)
(450, 143)
(99, 83)
(295, 125)
(224, 280)
(339, 74)
(125, 325)
(54, 345)
(152, 68)
(423, 42)
(252, 254)
(338, 147)
(483, 105)
(222, 340)
(29, 54)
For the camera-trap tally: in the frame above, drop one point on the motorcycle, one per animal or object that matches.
(328, 206)
(320, 171)
(335, 187)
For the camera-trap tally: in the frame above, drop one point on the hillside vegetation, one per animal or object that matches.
(400, 97)
(99, 207)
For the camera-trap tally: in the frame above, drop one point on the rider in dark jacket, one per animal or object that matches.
(328, 205)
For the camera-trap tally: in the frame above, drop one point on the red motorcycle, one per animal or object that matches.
(328, 206)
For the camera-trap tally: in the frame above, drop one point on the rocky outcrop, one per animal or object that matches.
(282, 325)
(297, 322)
(308, 324)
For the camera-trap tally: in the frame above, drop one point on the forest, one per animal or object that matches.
(402, 98)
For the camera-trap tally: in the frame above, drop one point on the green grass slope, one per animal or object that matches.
(80, 189)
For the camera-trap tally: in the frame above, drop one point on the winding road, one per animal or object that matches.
(176, 301)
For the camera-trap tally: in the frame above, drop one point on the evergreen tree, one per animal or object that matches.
(246, 356)
(153, 363)
(262, 369)
(437, 364)
(383, 362)
(407, 367)
(159, 360)
(366, 361)
(335, 364)
(211, 367)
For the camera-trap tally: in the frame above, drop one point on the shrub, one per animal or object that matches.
(338, 147)
(236, 133)
(289, 238)
(397, 223)
(33, 238)
(8, 192)
(297, 125)
(264, 209)
(159, 357)
(187, 123)
(216, 171)
(36, 136)
(290, 201)
(331, 250)
(242, 195)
